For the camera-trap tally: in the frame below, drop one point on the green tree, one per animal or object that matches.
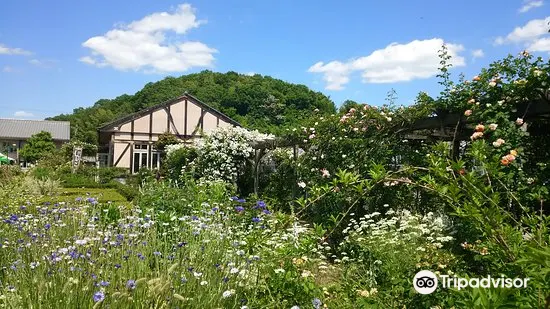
(257, 102)
(37, 146)
(166, 139)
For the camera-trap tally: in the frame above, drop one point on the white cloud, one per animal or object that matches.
(45, 64)
(533, 35)
(145, 45)
(531, 31)
(4, 50)
(417, 59)
(478, 53)
(530, 4)
(335, 73)
(250, 73)
(540, 45)
(23, 114)
(10, 69)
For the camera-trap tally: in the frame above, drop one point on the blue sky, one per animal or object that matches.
(58, 55)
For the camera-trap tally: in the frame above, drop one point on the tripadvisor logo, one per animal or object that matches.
(425, 282)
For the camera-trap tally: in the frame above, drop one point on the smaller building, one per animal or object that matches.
(128, 142)
(14, 133)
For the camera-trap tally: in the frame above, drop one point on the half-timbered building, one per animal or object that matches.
(128, 142)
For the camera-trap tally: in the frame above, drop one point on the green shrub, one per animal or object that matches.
(40, 186)
(8, 173)
(129, 192)
(175, 161)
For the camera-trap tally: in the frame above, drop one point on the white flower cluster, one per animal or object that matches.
(172, 148)
(224, 151)
(399, 228)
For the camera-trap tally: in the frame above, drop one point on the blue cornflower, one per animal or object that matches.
(239, 208)
(241, 200)
(183, 280)
(99, 296)
(316, 303)
(117, 266)
(181, 244)
(156, 253)
(256, 219)
(104, 283)
(267, 212)
(260, 205)
(78, 199)
(47, 226)
(131, 284)
(234, 198)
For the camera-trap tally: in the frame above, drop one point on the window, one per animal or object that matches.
(142, 158)
(141, 147)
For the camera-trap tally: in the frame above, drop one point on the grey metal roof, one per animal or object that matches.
(23, 129)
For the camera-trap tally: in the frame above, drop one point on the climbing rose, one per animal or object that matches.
(476, 135)
(480, 128)
(519, 121)
(498, 142)
(468, 113)
(493, 126)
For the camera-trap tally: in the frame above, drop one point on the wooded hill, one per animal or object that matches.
(257, 102)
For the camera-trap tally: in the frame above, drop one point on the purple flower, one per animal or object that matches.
(104, 283)
(117, 266)
(267, 212)
(234, 198)
(260, 205)
(239, 208)
(99, 296)
(256, 219)
(47, 226)
(316, 303)
(131, 284)
(241, 200)
(156, 253)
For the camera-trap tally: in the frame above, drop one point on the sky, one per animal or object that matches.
(58, 55)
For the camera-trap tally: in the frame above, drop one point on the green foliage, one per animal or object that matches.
(67, 149)
(258, 102)
(175, 162)
(165, 139)
(37, 147)
(8, 173)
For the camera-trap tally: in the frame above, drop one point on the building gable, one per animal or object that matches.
(185, 116)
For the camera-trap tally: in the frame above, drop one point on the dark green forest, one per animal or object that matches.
(257, 102)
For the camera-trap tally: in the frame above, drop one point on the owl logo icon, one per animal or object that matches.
(425, 282)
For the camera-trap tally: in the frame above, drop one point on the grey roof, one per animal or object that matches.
(23, 129)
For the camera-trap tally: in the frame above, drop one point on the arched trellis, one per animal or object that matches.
(455, 127)
(447, 126)
(264, 147)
